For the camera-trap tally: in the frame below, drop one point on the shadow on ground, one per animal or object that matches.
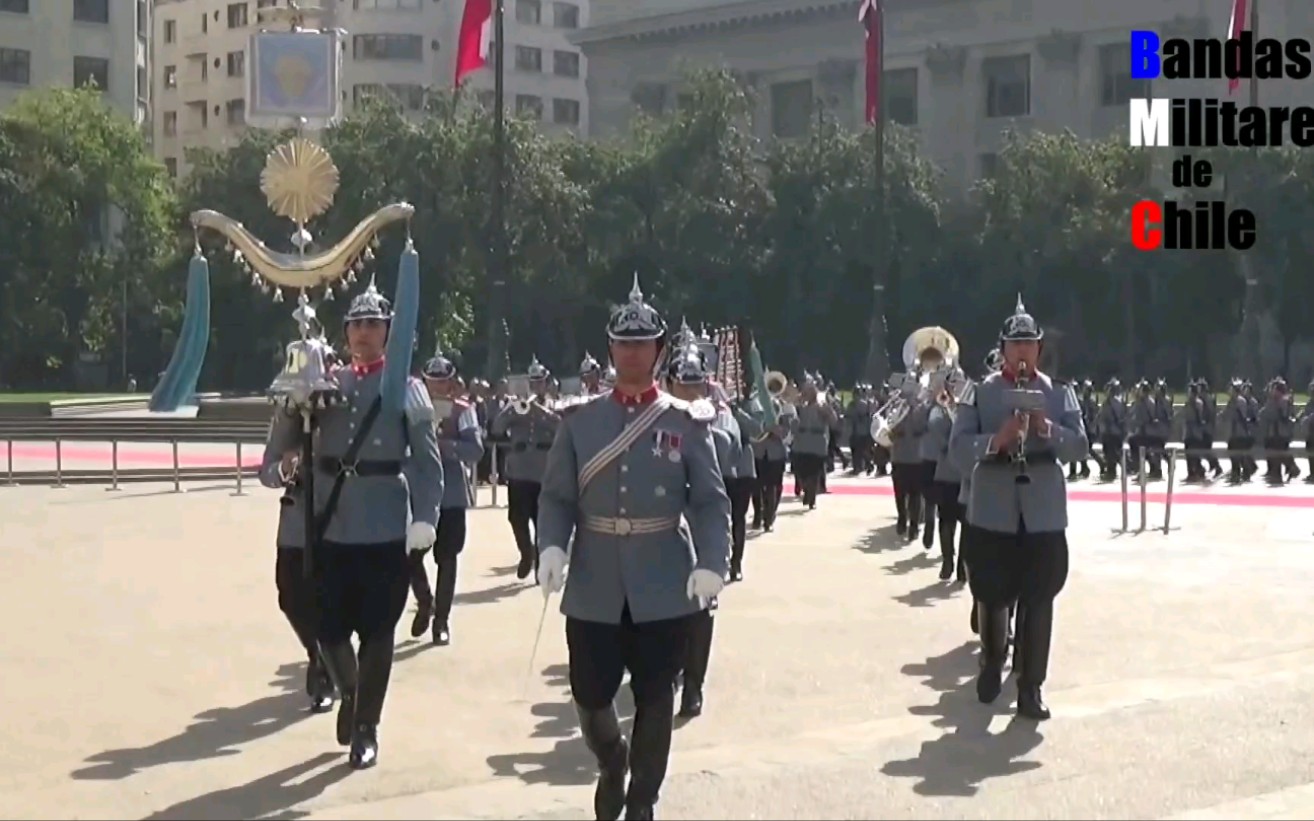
(270, 796)
(958, 762)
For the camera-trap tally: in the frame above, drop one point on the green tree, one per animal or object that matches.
(87, 224)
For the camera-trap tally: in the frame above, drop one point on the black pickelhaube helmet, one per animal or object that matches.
(588, 365)
(440, 367)
(369, 304)
(1021, 326)
(688, 368)
(537, 370)
(636, 320)
(1114, 385)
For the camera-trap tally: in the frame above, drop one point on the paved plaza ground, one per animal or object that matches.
(148, 673)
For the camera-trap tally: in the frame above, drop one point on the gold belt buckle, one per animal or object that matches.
(623, 527)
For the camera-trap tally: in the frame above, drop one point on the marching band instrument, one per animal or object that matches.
(776, 382)
(915, 385)
(1023, 402)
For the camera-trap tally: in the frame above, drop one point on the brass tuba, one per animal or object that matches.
(913, 385)
(776, 382)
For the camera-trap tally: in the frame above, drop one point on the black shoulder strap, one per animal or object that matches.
(335, 493)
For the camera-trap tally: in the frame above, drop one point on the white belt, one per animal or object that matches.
(621, 526)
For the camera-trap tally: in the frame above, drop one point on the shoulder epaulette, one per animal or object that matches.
(701, 411)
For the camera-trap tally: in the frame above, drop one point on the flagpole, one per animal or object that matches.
(878, 355)
(1251, 338)
(497, 329)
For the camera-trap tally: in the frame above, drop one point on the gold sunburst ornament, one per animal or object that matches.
(299, 180)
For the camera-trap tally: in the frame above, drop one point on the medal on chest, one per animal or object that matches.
(666, 445)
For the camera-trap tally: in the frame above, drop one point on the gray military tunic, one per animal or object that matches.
(530, 436)
(997, 502)
(749, 431)
(939, 425)
(811, 430)
(906, 437)
(647, 519)
(373, 509)
(728, 445)
(291, 515)
(461, 444)
(1112, 418)
(773, 448)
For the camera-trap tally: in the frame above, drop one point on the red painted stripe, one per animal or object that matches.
(1188, 497)
(128, 458)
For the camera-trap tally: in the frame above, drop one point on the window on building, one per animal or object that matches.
(900, 91)
(170, 123)
(529, 11)
(266, 4)
(93, 70)
(236, 15)
(486, 98)
(565, 64)
(530, 106)
(1007, 85)
(387, 5)
(1117, 86)
(143, 19)
(205, 23)
(170, 76)
(170, 31)
(987, 166)
(143, 83)
(565, 15)
(408, 96)
(15, 6)
(791, 108)
(565, 112)
(91, 11)
(388, 47)
(171, 166)
(15, 66)
(529, 58)
(235, 111)
(237, 64)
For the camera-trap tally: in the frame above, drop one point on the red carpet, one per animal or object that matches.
(1275, 497)
(99, 455)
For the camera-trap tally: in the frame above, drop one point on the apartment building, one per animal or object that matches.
(107, 42)
(960, 72)
(397, 48)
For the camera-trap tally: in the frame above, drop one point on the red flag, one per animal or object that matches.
(472, 43)
(1239, 23)
(872, 17)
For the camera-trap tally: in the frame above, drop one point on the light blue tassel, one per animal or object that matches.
(401, 337)
(178, 385)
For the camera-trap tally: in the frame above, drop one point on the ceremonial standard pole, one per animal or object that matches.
(1251, 341)
(497, 336)
(872, 15)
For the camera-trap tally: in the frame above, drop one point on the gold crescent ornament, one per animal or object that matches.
(299, 180)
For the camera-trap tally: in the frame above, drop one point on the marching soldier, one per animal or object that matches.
(688, 379)
(377, 492)
(530, 427)
(1194, 432)
(1305, 424)
(1018, 508)
(770, 453)
(590, 375)
(857, 421)
(1278, 422)
(946, 482)
(1161, 428)
(1241, 423)
(1142, 429)
(906, 468)
(1090, 410)
(296, 592)
(742, 489)
(623, 473)
(811, 431)
(460, 444)
(1210, 427)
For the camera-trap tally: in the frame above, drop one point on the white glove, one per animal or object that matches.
(551, 570)
(704, 584)
(420, 536)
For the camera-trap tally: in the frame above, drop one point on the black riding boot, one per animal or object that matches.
(444, 594)
(319, 686)
(697, 654)
(423, 596)
(340, 663)
(1034, 634)
(993, 622)
(375, 672)
(602, 735)
(649, 752)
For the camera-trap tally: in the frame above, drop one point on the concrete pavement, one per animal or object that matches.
(153, 677)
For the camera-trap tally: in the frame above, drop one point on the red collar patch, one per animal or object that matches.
(635, 399)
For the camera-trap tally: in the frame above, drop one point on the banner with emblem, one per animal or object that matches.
(293, 76)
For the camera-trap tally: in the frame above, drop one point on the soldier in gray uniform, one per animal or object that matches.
(811, 431)
(1277, 420)
(1090, 409)
(946, 482)
(857, 422)
(1241, 423)
(1194, 436)
(590, 375)
(1305, 424)
(296, 593)
(688, 381)
(460, 444)
(1018, 507)
(1142, 429)
(530, 428)
(1210, 427)
(906, 459)
(633, 476)
(770, 453)
(743, 488)
(1161, 428)
(378, 484)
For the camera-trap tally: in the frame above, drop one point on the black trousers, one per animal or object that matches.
(1281, 464)
(653, 653)
(809, 468)
(446, 550)
(297, 599)
(907, 493)
(952, 517)
(770, 486)
(860, 445)
(1111, 446)
(698, 649)
(1026, 569)
(926, 484)
(521, 511)
(1238, 453)
(362, 590)
(740, 491)
(880, 457)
